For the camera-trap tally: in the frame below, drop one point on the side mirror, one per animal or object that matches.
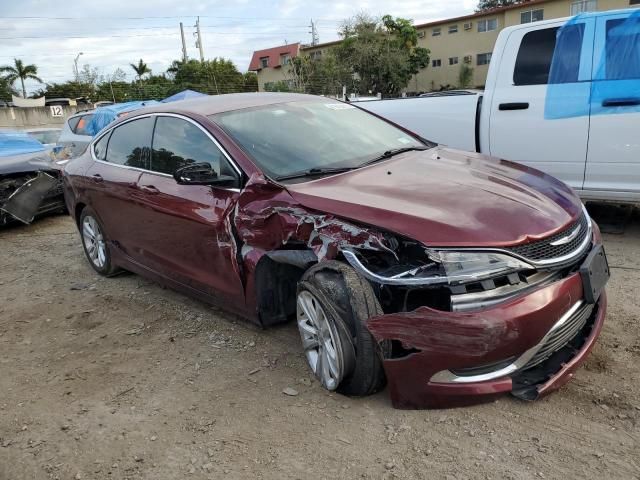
(202, 174)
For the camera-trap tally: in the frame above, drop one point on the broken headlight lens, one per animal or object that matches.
(463, 267)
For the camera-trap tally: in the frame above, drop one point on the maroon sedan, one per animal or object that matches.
(452, 276)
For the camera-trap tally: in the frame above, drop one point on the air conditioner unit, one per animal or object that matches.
(468, 59)
(421, 34)
(468, 26)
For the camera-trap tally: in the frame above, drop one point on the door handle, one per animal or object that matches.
(149, 189)
(97, 178)
(621, 102)
(513, 106)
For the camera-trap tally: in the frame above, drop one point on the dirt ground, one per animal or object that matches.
(121, 379)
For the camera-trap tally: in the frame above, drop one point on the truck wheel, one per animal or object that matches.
(95, 244)
(333, 304)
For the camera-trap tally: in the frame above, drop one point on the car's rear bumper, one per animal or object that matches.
(433, 341)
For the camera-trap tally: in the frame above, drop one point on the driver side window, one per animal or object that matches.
(178, 143)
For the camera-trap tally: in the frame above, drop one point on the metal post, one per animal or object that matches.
(75, 64)
(184, 45)
(199, 40)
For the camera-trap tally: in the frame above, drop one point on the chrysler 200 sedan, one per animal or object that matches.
(450, 276)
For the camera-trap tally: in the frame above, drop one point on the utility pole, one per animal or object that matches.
(199, 39)
(315, 38)
(184, 45)
(75, 67)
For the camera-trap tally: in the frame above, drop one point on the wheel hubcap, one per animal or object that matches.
(94, 241)
(320, 341)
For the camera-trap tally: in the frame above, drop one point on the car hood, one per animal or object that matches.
(27, 162)
(445, 197)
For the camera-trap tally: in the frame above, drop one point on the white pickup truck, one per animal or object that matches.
(562, 96)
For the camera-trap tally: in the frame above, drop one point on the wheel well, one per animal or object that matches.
(276, 282)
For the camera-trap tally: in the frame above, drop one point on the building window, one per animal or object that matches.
(484, 58)
(453, 60)
(285, 59)
(532, 16)
(453, 29)
(582, 6)
(436, 63)
(634, 2)
(317, 55)
(436, 32)
(264, 62)
(487, 25)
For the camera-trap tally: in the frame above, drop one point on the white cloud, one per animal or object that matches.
(230, 29)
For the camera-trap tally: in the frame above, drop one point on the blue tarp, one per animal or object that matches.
(615, 86)
(18, 143)
(103, 116)
(183, 96)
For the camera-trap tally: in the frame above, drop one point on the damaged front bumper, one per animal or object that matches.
(443, 359)
(26, 196)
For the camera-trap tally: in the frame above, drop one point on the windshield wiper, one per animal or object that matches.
(314, 172)
(392, 153)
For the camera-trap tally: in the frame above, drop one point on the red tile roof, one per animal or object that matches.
(274, 55)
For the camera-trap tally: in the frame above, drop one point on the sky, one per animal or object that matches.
(115, 33)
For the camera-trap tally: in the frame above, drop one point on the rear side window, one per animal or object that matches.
(100, 148)
(79, 124)
(622, 49)
(177, 143)
(536, 54)
(73, 123)
(129, 143)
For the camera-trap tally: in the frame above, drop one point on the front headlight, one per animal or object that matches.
(464, 267)
(441, 267)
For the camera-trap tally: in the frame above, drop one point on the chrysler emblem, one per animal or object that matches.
(567, 239)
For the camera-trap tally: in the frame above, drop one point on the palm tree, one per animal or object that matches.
(22, 72)
(140, 69)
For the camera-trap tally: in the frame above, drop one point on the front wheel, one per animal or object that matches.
(333, 304)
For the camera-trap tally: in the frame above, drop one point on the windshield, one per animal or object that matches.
(287, 138)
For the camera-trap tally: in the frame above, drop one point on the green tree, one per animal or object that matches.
(141, 68)
(20, 71)
(250, 82)
(382, 54)
(328, 76)
(484, 5)
(215, 76)
(465, 76)
(6, 90)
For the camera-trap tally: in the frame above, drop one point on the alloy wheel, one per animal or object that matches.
(94, 242)
(320, 341)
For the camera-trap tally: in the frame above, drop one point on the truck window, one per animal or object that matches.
(622, 49)
(537, 51)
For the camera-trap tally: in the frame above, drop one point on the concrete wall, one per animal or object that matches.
(21, 118)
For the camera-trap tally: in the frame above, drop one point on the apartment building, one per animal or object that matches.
(467, 40)
(272, 64)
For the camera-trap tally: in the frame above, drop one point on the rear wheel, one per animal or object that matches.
(95, 244)
(333, 304)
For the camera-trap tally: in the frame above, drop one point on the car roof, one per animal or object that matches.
(212, 104)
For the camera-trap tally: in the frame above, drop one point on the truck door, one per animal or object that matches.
(613, 162)
(528, 127)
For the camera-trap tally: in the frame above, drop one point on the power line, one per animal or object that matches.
(165, 17)
(272, 35)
